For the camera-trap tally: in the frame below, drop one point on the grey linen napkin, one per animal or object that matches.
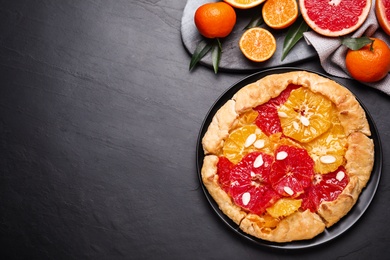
(332, 54)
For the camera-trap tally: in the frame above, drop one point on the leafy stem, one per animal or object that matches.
(204, 47)
(357, 43)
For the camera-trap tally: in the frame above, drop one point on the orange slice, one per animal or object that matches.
(279, 14)
(244, 140)
(248, 117)
(257, 44)
(305, 115)
(284, 207)
(244, 4)
(328, 150)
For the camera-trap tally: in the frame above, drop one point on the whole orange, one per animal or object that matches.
(215, 20)
(370, 63)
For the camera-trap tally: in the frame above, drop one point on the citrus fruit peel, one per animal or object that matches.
(370, 63)
(279, 14)
(382, 11)
(244, 4)
(215, 20)
(257, 44)
(336, 17)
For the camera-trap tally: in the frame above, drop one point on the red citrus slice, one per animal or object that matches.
(382, 11)
(224, 167)
(268, 119)
(334, 17)
(292, 172)
(249, 183)
(326, 187)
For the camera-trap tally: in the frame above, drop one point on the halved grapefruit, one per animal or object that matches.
(334, 18)
(382, 11)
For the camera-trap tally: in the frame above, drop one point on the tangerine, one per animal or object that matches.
(257, 44)
(335, 17)
(279, 14)
(382, 11)
(215, 20)
(244, 4)
(370, 63)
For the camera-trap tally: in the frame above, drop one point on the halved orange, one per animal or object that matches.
(244, 140)
(257, 44)
(244, 4)
(305, 115)
(279, 14)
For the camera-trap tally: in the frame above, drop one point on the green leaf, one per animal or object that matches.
(216, 54)
(201, 50)
(356, 43)
(255, 22)
(294, 34)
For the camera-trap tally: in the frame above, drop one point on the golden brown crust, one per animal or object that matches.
(359, 156)
(298, 226)
(210, 180)
(218, 130)
(333, 211)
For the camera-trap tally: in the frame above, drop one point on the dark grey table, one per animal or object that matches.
(99, 120)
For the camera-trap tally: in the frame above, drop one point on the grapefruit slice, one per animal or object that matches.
(382, 11)
(268, 119)
(326, 187)
(249, 183)
(224, 167)
(292, 171)
(244, 140)
(305, 115)
(334, 18)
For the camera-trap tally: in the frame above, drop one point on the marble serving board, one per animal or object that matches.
(232, 59)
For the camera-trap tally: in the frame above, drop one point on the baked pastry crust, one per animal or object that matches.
(359, 155)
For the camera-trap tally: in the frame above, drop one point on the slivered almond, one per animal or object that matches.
(246, 197)
(250, 140)
(288, 190)
(305, 121)
(281, 155)
(282, 114)
(328, 159)
(295, 125)
(259, 144)
(340, 175)
(258, 161)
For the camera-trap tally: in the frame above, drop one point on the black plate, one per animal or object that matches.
(331, 233)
